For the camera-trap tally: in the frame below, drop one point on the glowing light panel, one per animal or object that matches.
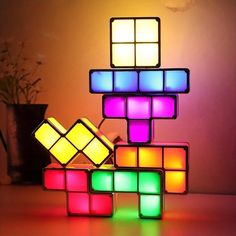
(135, 42)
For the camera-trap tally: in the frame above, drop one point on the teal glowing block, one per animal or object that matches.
(125, 81)
(151, 81)
(125, 181)
(150, 206)
(176, 80)
(102, 181)
(102, 81)
(149, 182)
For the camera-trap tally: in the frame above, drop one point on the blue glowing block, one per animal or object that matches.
(125, 81)
(155, 81)
(102, 82)
(176, 80)
(151, 81)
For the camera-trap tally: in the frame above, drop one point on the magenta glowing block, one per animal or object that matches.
(101, 204)
(76, 180)
(115, 107)
(139, 107)
(139, 131)
(78, 203)
(163, 107)
(54, 179)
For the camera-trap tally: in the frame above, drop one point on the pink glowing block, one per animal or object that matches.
(54, 178)
(77, 180)
(89, 204)
(114, 107)
(101, 204)
(139, 107)
(163, 107)
(139, 131)
(78, 203)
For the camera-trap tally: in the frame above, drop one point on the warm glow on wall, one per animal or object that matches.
(135, 42)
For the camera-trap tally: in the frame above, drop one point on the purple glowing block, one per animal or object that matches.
(139, 131)
(163, 107)
(139, 107)
(114, 107)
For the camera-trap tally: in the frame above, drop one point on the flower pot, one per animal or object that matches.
(25, 157)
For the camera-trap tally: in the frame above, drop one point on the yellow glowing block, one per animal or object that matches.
(147, 54)
(175, 158)
(96, 151)
(63, 151)
(150, 157)
(79, 136)
(175, 181)
(123, 31)
(56, 125)
(46, 135)
(135, 42)
(147, 30)
(123, 54)
(126, 157)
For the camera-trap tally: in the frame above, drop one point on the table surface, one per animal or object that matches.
(28, 210)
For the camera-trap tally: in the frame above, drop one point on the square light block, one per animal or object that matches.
(150, 206)
(140, 131)
(151, 81)
(101, 204)
(114, 107)
(126, 156)
(149, 182)
(135, 42)
(54, 177)
(150, 157)
(125, 81)
(78, 203)
(175, 182)
(164, 107)
(125, 181)
(101, 81)
(139, 107)
(102, 181)
(77, 180)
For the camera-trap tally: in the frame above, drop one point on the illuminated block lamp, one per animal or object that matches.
(155, 81)
(146, 183)
(171, 158)
(135, 42)
(82, 137)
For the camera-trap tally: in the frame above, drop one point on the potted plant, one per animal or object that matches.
(19, 88)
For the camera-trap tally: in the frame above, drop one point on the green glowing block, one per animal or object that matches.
(102, 181)
(150, 206)
(149, 182)
(125, 181)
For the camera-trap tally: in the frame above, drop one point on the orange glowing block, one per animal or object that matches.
(175, 158)
(150, 157)
(126, 156)
(175, 182)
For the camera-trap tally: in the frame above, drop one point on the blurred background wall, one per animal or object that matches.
(72, 36)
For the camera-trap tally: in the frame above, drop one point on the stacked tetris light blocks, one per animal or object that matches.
(139, 95)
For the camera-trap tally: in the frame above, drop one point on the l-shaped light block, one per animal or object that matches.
(82, 137)
(172, 158)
